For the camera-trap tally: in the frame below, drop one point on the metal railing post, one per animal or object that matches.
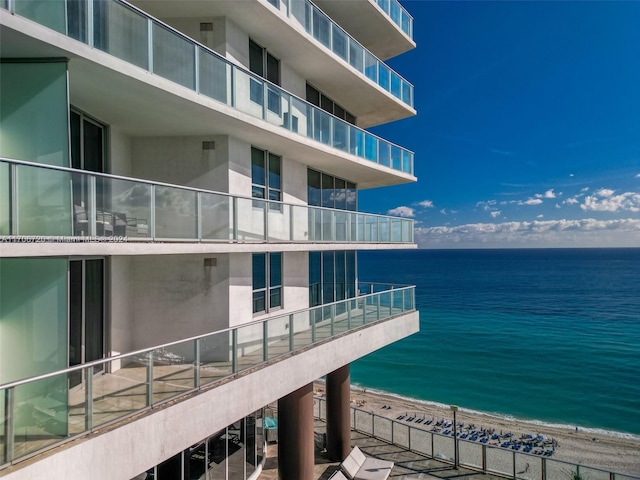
(333, 319)
(484, 458)
(234, 351)
(150, 379)
(88, 398)
(393, 423)
(14, 227)
(152, 214)
(514, 465)
(291, 223)
(291, 344)
(353, 420)
(265, 343)
(8, 424)
(199, 216)
(373, 426)
(234, 217)
(364, 311)
(432, 446)
(196, 363)
(93, 206)
(89, 25)
(150, 44)
(196, 68)
(265, 92)
(267, 207)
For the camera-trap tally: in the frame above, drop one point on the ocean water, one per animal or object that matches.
(550, 336)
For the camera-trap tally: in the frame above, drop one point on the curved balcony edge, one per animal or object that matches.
(165, 373)
(93, 206)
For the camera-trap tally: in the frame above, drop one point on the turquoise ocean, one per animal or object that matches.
(544, 335)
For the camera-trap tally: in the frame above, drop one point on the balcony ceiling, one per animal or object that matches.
(371, 104)
(364, 20)
(142, 104)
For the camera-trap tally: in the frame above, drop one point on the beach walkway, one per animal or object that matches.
(408, 465)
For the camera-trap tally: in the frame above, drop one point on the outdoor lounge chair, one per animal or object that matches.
(357, 466)
(338, 475)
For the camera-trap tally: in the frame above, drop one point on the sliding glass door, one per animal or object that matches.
(86, 313)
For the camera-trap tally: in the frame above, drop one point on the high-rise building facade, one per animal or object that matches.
(179, 221)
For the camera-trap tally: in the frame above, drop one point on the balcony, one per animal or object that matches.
(90, 206)
(134, 37)
(383, 26)
(322, 28)
(300, 34)
(398, 15)
(41, 412)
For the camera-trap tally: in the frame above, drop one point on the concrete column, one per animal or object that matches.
(295, 435)
(338, 412)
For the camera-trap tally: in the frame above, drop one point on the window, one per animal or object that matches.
(265, 175)
(332, 276)
(318, 99)
(267, 66)
(267, 281)
(327, 191)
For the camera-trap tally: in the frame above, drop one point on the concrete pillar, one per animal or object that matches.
(338, 413)
(295, 435)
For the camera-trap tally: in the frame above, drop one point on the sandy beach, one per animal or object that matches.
(583, 447)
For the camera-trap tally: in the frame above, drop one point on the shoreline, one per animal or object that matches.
(612, 451)
(497, 416)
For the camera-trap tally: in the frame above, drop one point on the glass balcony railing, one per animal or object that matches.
(476, 455)
(47, 201)
(329, 34)
(40, 412)
(129, 34)
(398, 15)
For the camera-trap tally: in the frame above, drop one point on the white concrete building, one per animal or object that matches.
(179, 229)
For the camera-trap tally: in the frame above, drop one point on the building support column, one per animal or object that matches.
(295, 435)
(338, 414)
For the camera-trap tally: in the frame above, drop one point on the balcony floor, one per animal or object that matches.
(408, 465)
(123, 392)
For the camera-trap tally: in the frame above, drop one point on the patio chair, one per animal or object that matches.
(357, 466)
(338, 475)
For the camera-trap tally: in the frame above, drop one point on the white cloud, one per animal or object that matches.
(548, 233)
(402, 212)
(548, 194)
(585, 189)
(426, 204)
(605, 201)
(532, 201)
(571, 175)
(605, 192)
(571, 201)
(540, 216)
(496, 213)
(487, 205)
(638, 175)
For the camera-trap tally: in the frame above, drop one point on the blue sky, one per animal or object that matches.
(528, 125)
